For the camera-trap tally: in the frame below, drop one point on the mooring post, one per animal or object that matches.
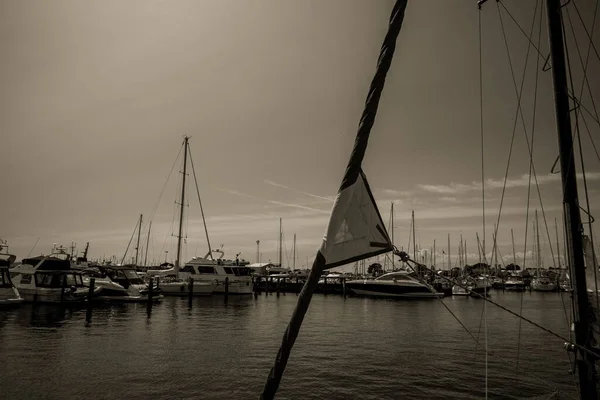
(150, 293)
(62, 290)
(157, 282)
(278, 287)
(226, 286)
(88, 314)
(344, 287)
(190, 291)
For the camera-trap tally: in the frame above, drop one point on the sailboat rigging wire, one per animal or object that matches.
(200, 201)
(129, 244)
(590, 35)
(352, 174)
(584, 65)
(406, 258)
(476, 340)
(590, 136)
(162, 191)
(577, 134)
(529, 145)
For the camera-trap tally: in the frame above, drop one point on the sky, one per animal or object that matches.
(97, 97)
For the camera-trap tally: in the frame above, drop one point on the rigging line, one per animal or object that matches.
(590, 136)
(587, 198)
(132, 235)
(165, 184)
(584, 65)
(597, 120)
(481, 132)
(200, 201)
(404, 256)
(519, 97)
(483, 347)
(529, 146)
(589, 35)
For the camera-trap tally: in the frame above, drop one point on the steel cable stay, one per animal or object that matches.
(476, 339)
(578, 136)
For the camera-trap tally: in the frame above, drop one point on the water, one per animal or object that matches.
(347, 349)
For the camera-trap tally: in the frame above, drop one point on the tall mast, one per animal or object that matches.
(434, 252)
(413, 235)
(280, 244)
(574, 229)
(147, 244)
(392, 216)
(466, 254)
(185, 153)
(537, 238)
(512, 236)
(294, 261)
(557, 243)
(449, 261)
(137, 247)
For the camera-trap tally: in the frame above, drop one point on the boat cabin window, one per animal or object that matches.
(5, 278)
(189, 269)
(242, 271)
(48, 280)
(25, 279)
(228, 270)
(397, 277)
(206, 270)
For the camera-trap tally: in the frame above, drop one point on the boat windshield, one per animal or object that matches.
(5, 278)
(391, 277)
(133, 277)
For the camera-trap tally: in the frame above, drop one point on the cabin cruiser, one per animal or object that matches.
(399, 284)
(49, 279)
(514, 283)
(181, 287)
(543, 284)
(9, 295)
(470, 285)
(209, 269)
(119, 283)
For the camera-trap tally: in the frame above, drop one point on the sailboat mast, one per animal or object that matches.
(147, 244)
(537, 239)
(413, 235)
(280, 244)
(393, 261)
(557, 243)
(574, 229)
(294, 261)
(449, 261)
(434, 252)
(137, 247)
(512, 236)
(185, 153)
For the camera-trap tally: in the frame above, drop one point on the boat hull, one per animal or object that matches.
(182, 288)
(235, 287)
(391, 290)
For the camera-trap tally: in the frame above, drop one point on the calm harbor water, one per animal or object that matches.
(348, 349)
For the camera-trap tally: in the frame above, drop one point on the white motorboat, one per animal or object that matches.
(398, 284)
(50, 279)
(9, 295)
(181, 287)
(120, 283)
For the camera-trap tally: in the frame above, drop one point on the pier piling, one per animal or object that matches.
(226, 286)
(88, 314)
(190, 291)
(62, 290)
(150, 294)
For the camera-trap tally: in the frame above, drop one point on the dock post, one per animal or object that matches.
(226, 288)
(278, 287)
(150, 293)
(266, 285)
(62, 290)
(157, 282)
(344, 287)
(88, 314)
(325, 285)
(190, 291)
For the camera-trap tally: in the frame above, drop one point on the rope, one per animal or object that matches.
(406, 258)
(589, 35)
(476, 340)
(353, 170)
(201, 208)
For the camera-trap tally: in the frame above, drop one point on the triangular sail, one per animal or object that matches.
(356, 230)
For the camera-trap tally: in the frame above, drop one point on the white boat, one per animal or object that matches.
(543, 284)
(470, 285)
(119, 283)
(180, 287)
(9, 295)
(514, 283)
(398, 284)
(49, 279)
(239, 277)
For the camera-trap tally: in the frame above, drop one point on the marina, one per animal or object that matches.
(227, 287)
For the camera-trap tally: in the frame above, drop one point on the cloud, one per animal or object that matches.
(299, 206)
(447, 199)
(400, 193)
(515, 182)
(279, 185)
